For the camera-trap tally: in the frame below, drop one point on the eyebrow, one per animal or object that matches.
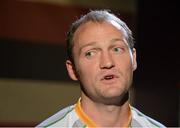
(120, 40)
(112, 41)
(86, 45)
(117, 40)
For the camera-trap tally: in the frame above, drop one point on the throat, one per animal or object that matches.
(114, 116)
(108, 115)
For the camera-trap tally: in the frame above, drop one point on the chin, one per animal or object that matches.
(118, 99)
(115, 91)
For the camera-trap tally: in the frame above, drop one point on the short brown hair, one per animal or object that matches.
(96, 16)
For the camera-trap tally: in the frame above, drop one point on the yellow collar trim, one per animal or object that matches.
(83, 116)
(129, 118)
(88, 122)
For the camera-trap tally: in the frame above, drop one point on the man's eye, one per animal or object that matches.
(117, 50)
(89, 54)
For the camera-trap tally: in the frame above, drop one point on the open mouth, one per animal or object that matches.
(109, 77)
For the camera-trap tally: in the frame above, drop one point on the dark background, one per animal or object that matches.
(158, 74)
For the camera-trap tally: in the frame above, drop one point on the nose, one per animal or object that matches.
(106, 61)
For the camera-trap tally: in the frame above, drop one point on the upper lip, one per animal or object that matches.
(114, 75)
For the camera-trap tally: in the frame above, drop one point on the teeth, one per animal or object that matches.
(108, 77)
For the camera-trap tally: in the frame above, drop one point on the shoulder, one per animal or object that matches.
(58, 118)
(141, 120)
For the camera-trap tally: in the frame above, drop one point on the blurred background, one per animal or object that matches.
(34, 83)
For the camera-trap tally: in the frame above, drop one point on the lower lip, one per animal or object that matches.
(110, 81)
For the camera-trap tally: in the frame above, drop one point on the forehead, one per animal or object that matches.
(97, 30)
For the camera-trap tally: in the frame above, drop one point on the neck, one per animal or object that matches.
(106, 115)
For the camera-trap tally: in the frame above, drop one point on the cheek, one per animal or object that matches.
(124, 61)
(128, 72)
(87, 69)
(124, 66)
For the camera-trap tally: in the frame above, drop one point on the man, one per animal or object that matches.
(102, 57)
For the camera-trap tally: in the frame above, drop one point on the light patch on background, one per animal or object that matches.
(30, 101)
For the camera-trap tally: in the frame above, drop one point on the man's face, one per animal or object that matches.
(103, 62)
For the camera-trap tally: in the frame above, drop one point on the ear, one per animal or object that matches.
(71, 70)
(134, 64)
